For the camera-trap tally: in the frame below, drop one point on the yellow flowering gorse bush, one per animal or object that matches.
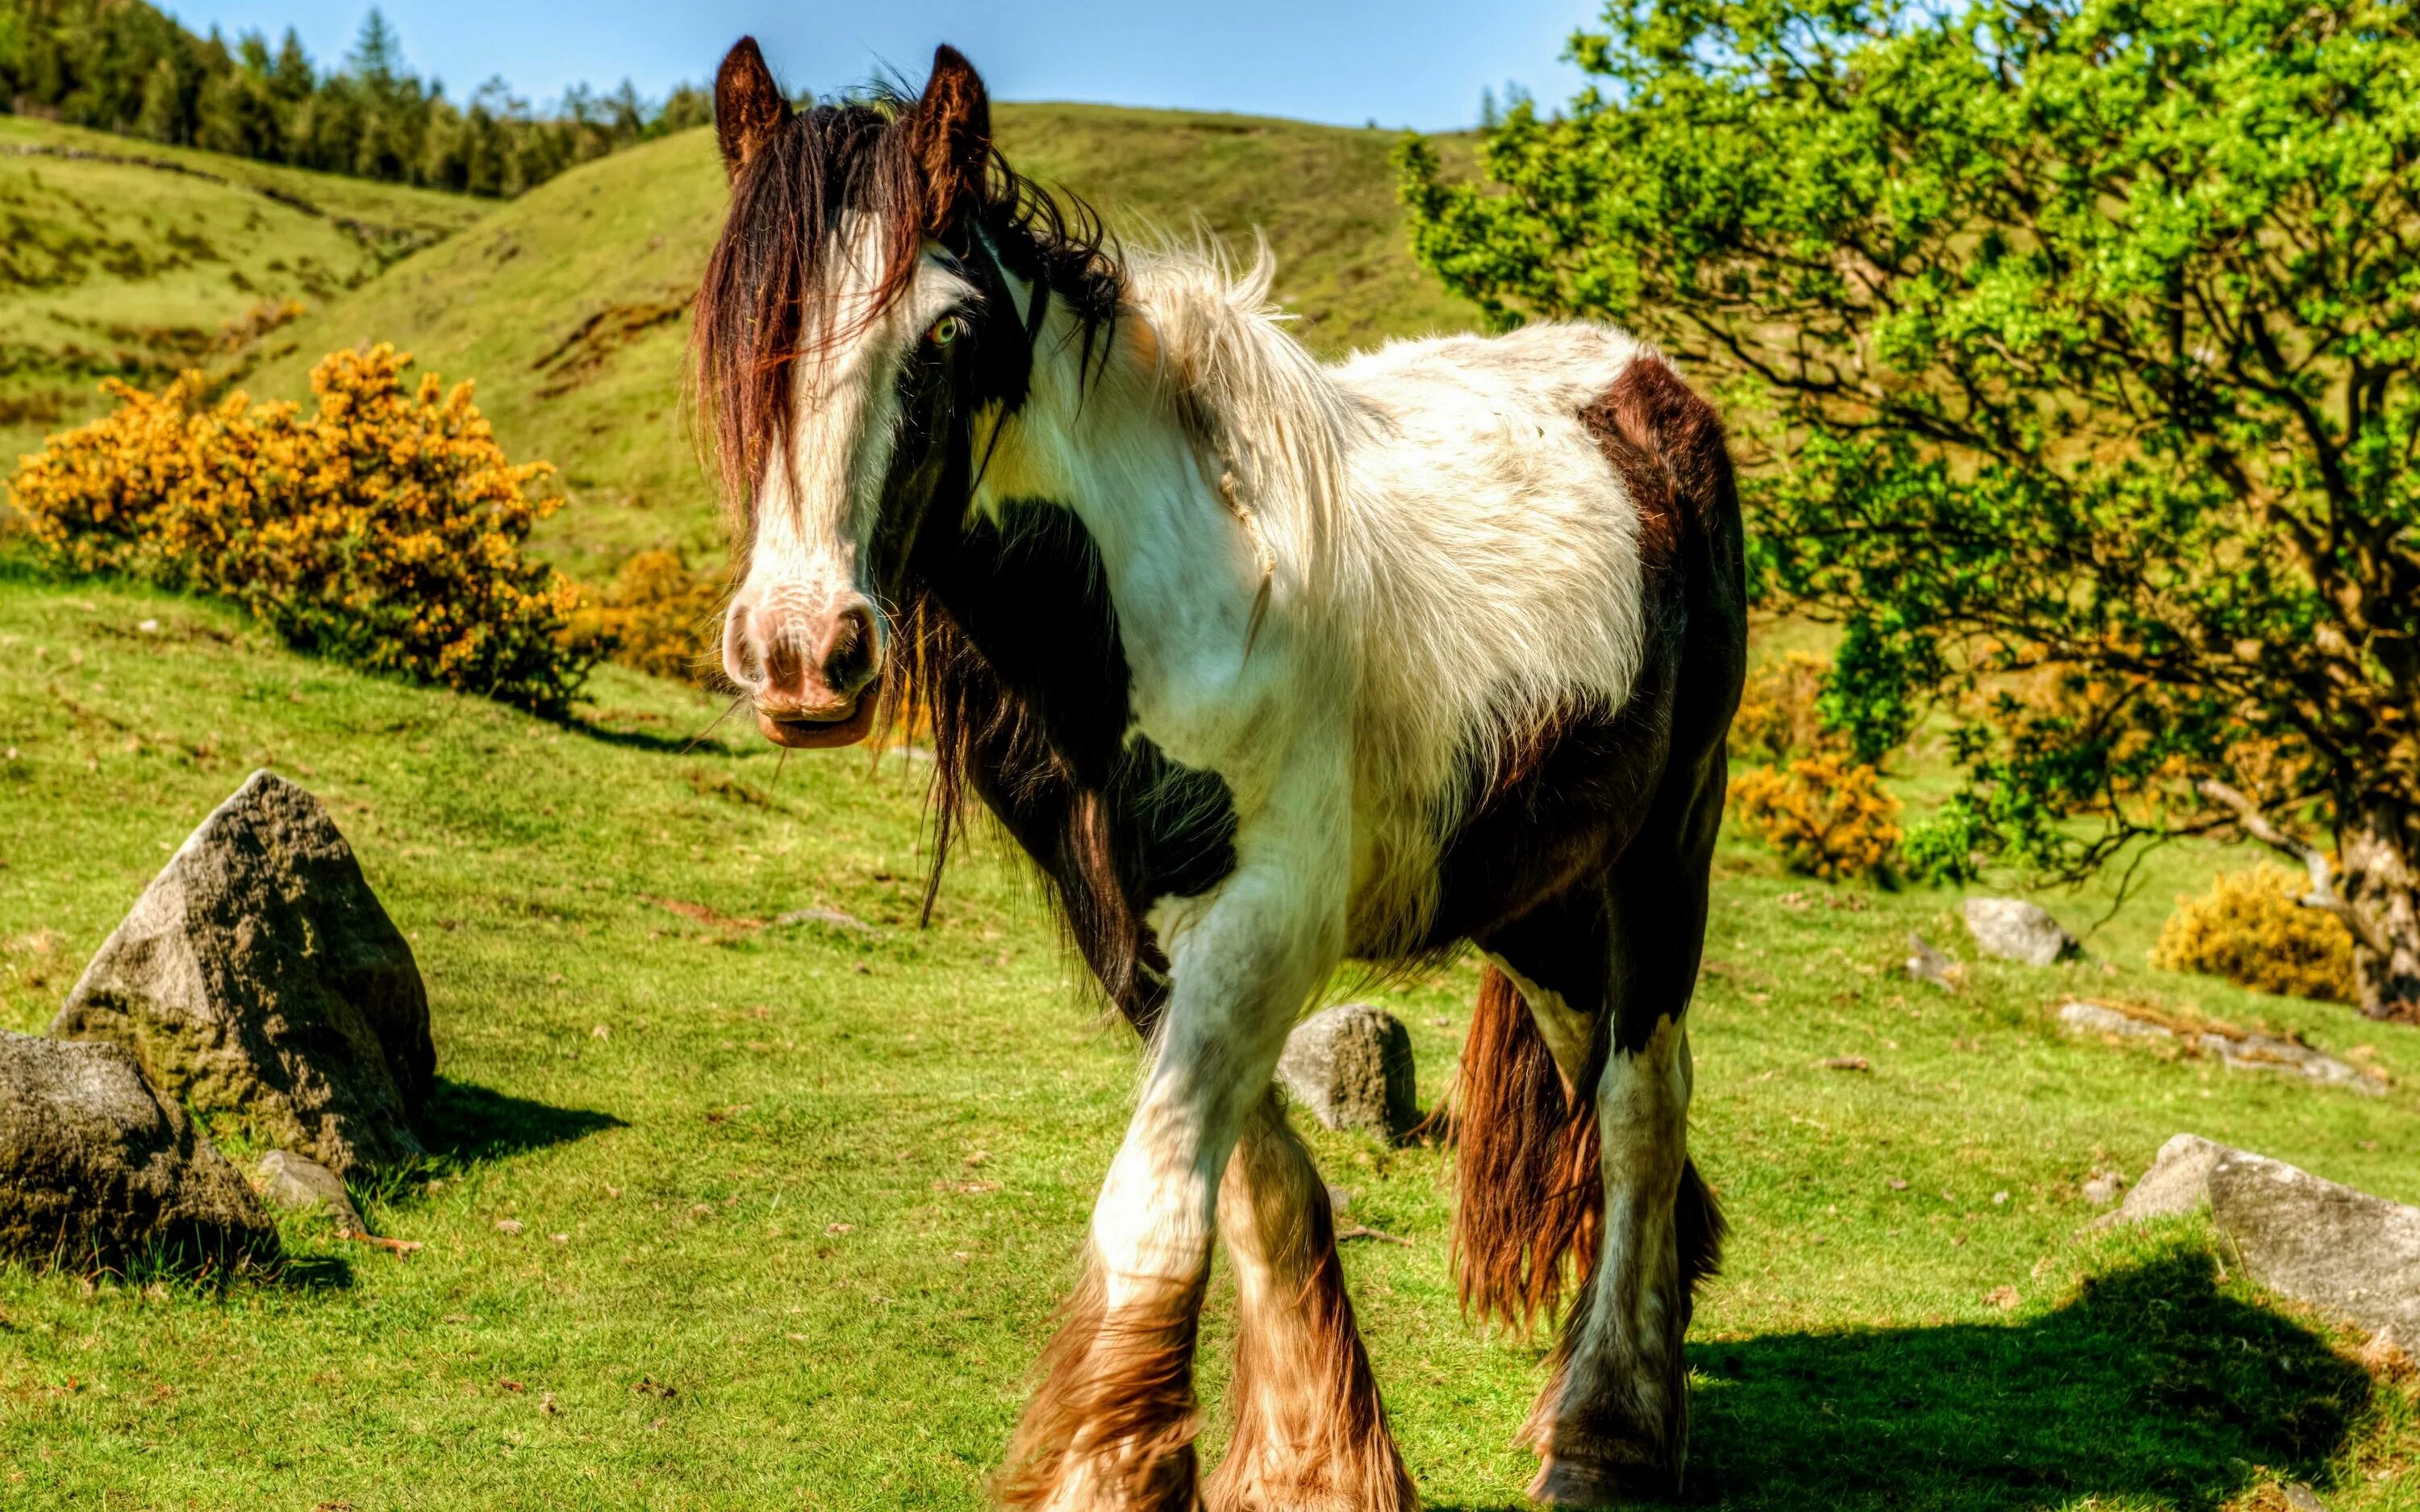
(1828, 818)
(2249, 930)
(384, 529)
(657, 616)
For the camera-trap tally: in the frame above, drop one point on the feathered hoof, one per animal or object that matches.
(1585, 1483)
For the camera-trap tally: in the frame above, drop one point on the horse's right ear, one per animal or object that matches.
(748, 107)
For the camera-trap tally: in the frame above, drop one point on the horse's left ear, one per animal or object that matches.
(950, 131)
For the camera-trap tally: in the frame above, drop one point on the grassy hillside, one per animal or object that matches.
(795, 1201)
(569, 304)
(123, 258)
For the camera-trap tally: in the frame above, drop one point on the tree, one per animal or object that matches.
(2079, 337)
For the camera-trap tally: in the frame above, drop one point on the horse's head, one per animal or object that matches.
(866, 307)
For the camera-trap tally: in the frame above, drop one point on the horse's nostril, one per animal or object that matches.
(740, 657)
(850, 655)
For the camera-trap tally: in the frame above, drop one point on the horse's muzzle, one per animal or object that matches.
(811, 676)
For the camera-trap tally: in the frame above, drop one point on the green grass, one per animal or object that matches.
(818, 1190)
(124, 258)
(568, 305)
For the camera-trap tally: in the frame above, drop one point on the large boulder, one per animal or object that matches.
(2315, 1240)
(258, 975)
(2014, 930)
(2344, 1251)
(1351, 1067)
(97, 1169)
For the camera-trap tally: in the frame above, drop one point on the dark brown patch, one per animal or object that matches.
(1668, 445)
(1310, 1430)
(748, 107)
(950, 131)
(1527, 1196)
(1115, 1403)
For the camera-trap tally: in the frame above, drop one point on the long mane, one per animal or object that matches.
(779, 258)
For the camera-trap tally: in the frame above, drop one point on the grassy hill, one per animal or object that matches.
(569, 304)
(124, 258)
(795, 1201)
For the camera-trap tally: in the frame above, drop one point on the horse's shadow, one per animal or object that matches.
(2152, 1387)
(465, 1122)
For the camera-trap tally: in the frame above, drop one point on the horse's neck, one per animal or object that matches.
(1107, 446)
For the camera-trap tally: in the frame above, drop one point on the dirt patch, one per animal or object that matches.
(592, 343)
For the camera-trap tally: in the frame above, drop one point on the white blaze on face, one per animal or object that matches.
(816, 506)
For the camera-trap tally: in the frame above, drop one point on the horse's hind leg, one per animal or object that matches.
(1613, 1422)
(1309, 1432)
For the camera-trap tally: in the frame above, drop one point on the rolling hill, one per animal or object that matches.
(568, 305)
(121, 258)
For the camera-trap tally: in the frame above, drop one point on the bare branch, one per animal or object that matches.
(2323, 894)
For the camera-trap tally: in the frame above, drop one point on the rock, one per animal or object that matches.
(2014, 930)
(2319, 1243)
(2099, 1018)
(2102, 1188)
(1936, 967)
(2258, 1053)
(832, 917)
(2283, 1057)
(97, 1169)
(258, 975)
(2178, 1181)
(1351, 1067)
(289, 1181)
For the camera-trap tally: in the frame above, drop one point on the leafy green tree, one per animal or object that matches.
(2079, 341)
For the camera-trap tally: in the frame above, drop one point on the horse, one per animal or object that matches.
(1268, 666)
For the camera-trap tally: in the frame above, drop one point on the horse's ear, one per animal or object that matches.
(748, 107)
(951, 130)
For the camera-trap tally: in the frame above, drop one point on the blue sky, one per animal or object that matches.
(1418, 63)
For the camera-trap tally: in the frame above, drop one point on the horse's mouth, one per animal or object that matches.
(801, 732)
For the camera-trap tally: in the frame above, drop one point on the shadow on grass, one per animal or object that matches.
(2153, 1386)
(686, 744)
(465, 1121)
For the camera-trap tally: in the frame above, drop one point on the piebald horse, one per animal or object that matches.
(1265, 664)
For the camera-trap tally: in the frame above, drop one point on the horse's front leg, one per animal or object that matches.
(1111, 1426)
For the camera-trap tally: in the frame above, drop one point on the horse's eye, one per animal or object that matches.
(945, 331)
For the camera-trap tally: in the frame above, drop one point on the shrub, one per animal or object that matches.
(1944, 847)
(1828, 819)
(385, 529)
(656, 617)
(1778, 719)
(2249, 930)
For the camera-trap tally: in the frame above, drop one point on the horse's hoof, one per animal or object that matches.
(1578, 1483)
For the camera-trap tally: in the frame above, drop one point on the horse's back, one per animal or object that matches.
(1550, 531)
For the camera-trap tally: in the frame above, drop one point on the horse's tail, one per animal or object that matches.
(1531, 1206)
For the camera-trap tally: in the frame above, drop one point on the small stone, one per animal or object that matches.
(2014, 930)
(508, 1225)
(831, 918)
(1351, 1067)
(2102, 1188)
(288, 1180)
(1999, 1200)
(2301, 1498)
(146, 626)
(2099, 1018)
(1936, 967)
(1897, 1183)
(1338, 1201)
